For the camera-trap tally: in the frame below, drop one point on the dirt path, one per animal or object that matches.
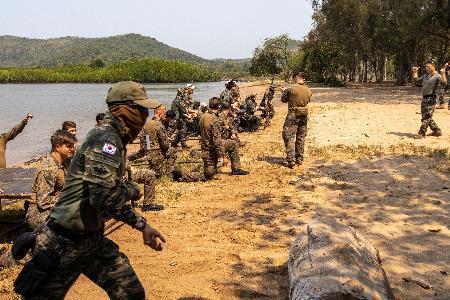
(229, 238)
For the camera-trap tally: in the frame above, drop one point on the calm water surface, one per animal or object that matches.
(51, 104)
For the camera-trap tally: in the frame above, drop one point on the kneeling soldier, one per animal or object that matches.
(49, 179)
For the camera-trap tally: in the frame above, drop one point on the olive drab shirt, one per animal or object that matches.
(8, 136)
(158, 137)
(210, 132)
(48, 182)
(94, 189)
(298, 95)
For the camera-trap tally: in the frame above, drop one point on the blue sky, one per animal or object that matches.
(211, 29)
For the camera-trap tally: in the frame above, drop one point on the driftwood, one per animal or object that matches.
(334, 261)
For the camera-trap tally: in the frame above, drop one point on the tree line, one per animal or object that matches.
(148, 70)
(369, 40)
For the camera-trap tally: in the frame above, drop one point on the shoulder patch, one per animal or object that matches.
(109, 149)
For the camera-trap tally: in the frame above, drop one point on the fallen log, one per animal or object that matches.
(334, 261)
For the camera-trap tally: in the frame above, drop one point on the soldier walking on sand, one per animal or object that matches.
(430, 82)
(295, 126)
(72, 242)
(9, 136)
(49, 178)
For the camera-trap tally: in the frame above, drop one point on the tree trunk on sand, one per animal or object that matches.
(334, 261)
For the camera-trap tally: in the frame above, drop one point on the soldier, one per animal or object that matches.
(70, 127)
(181, 107)
(430, 82)
(231, 93)
(99, 119)
(49, 179)
(9, 136)
(213, 148)
(266, 105)
(72, 241)
(155, 147)
(249, 121)
(295, 126)
(443, 90)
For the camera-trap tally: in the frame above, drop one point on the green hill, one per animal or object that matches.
(25, 52)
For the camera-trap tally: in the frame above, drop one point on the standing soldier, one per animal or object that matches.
(9, 136)
(295, 126)
(214, 148)
(181, 107)
(72, 242)
(430, 82)
(49, 179)
(266, 105)
(443, 90)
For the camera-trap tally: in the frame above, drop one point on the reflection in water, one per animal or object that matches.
(51, 104)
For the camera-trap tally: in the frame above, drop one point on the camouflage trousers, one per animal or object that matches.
(148, 178)
(441, 95)
(97, 257)
(210, 160)
(181, 134)
(161, 165)
(35, 215)
(294, 136)
(427, 109)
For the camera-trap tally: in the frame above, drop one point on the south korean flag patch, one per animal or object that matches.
(109, 149)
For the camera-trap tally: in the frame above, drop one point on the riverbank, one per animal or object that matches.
(229, 238)
(149, 70)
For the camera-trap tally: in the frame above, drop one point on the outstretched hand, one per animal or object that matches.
(153, 238)
(444, 68)
(28, 117)
(415, 69)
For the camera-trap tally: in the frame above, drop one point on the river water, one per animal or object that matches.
(51, 104)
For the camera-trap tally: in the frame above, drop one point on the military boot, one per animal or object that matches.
(152, 207)
(239, 172)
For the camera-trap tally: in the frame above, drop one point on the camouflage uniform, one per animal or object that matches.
(250, 122)
(267, 105)
(230, 95)
(8, 136)
(295, 124)
(430, 83)
(441, 95)
(226, 96)
(213, 147)
(159, 155)
(180, 106)
(93, 192)
(47, 185)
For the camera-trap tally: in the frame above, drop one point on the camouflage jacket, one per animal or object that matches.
(154, 137)
(267, 98)
(8, 136)
(211, 135)
(94, 190)
(226, 125)
(250, 106)
(48, 182)
(226, 96)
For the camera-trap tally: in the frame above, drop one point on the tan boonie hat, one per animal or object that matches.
(126, 91)
(190, 86)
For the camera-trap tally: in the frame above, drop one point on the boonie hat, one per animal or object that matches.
(126, 91)
(190, 86)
